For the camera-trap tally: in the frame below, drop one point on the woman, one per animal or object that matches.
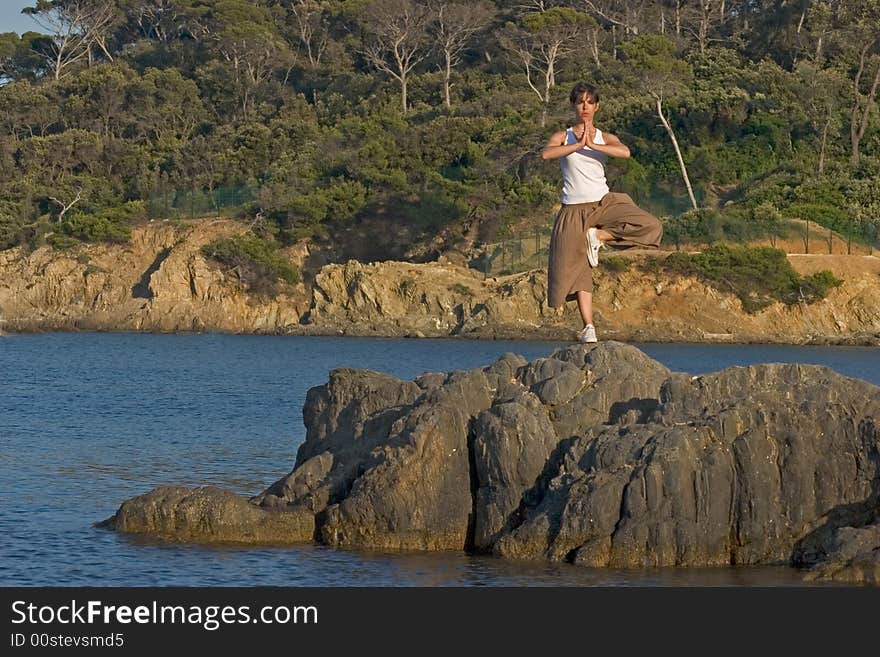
(591, 215)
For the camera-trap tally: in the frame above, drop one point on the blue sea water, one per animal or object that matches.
(88, 420)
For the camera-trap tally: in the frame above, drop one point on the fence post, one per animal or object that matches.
(830, 241)
(537, 242)
(807, 238)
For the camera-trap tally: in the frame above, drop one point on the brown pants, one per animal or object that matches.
(568, 271)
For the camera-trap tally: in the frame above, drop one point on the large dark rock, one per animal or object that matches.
(738, 467)
(597, 455)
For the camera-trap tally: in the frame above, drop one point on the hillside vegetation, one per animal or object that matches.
(399, 129)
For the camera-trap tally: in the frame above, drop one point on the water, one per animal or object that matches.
(89, 420)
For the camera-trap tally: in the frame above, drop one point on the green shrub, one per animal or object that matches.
(461, 289)
(112, 225)
(757, 275)
(257, 262)
(61, 241)
(830, 216)
(737, 225)
(94, 228)
(815, 287)
(614, 263)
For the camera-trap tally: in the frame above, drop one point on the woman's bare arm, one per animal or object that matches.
(612, 146)
(556, 147)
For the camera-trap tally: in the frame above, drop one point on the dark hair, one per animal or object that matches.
(582, 88)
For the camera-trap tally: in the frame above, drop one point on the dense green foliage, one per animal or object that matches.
(256, 261)
(614, 264)
(303, 102)
(756, 275)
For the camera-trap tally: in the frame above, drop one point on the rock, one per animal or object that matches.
(443, 299)
(209, 515)
(732, 468)
(851, 554)
(597, 455)
(521, 435)
(160, 282)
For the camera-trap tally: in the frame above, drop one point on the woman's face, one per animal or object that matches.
(585, 108)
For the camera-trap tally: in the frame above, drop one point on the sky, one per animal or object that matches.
(11, 18)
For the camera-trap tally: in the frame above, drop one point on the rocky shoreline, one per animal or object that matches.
(161, 282)
(597, 455)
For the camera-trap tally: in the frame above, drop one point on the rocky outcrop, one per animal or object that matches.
(208, 515)
(851, 554)
(160, 282)
(438, 300)
(596, 455)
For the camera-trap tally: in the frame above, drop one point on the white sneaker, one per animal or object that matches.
(588, 335)
(593, 246)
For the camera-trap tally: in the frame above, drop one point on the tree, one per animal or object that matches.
(75, 27)
(18, 56)
(166, 106)
(821, 90)
(9, 43)
(627, 14)
(660, 75)
(396, 39)
(98, 99)
(454, 26)
(820, 26)
(245, 36)
(311, 29)
(545, 39)
(155, 19)
(865, 40)
(67, 43)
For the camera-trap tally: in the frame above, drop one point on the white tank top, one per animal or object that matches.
(583, 172)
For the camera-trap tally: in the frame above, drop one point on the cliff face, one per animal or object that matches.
(161, 282)
(597, 455)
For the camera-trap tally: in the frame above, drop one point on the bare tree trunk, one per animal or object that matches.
(684, 174)
(866, 114)
(403, 93)
(859, 116)
(548, 83)
(595, 47)
(447, 74)
(703, 32)
(822, 145)
(103, 45)
(66, 206)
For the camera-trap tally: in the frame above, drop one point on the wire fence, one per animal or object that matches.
(170, 203)
(529, 249)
